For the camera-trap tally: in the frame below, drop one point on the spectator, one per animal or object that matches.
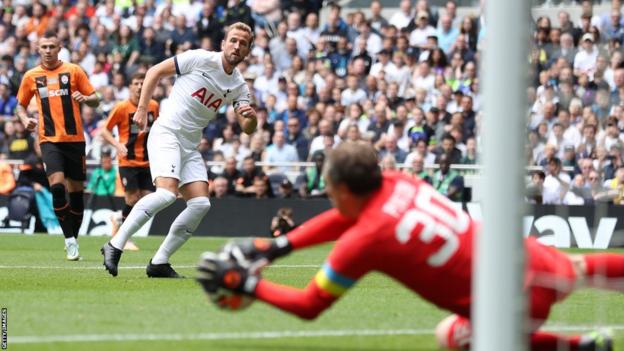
(387, 145)
(566, 49)
(556, 184)
(334, 30)
(103, 178)
(283, 222)
(20, 144)
(8, 102)
(377, 21)
(535, 189)
(402, 18)
(353, 94)
(379, 123)
(446, 33)
(151, 48)
(262, 186)
(245, 182)
(181, 37)
(297, 139)
(382, 64)
(447, 181)
(417, 168)
(447, 147)
(325, 129)
(313, 183)
(286, 190)
(231, 173)
(127, 46)
(205, 149)
(238, 11)
(423, 30)
(470, 157)
(293, 111)
(119, 86)
(585, 59)
(219, 188)
(388, 163)
(279, 152)
(38, 23)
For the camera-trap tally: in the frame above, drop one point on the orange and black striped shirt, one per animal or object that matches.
(129, 133)
(59, 114)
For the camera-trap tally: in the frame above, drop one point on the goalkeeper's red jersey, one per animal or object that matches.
(413, 234)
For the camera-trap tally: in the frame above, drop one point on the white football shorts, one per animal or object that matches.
(170, 158)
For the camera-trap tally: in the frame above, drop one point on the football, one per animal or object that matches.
(228, 300)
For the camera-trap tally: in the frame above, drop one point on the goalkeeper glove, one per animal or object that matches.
(218, 271)
(257, 252)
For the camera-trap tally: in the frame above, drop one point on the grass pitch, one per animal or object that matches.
(53, 304)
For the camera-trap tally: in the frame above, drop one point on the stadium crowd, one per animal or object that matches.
(407, 83)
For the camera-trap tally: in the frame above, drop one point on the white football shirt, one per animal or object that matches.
(199, 91)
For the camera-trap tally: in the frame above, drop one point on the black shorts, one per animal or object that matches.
(68, 158)
(134, 178)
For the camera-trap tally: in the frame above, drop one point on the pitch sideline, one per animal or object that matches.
(143, 267)
(258, 335)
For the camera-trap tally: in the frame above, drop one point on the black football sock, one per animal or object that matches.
(61, 209)
(76, 211)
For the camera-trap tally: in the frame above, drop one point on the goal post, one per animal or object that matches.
(499, 304)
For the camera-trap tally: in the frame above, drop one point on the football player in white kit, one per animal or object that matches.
(205, 81)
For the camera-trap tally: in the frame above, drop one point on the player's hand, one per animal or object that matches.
(29, 123)
(218, 271)
(122, 150)
(255, 253)
(76, 95)
(140, 118)
(246, 111)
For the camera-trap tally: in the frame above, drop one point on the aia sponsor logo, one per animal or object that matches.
(207, 98)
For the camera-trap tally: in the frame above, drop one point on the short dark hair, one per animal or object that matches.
(139, 75)
(555, 160)
(49, 34)
(540, 174)
(354, 165)
(448, 136)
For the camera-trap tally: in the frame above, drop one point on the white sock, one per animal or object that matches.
(182, 228)
(71, 240)
(142, 211)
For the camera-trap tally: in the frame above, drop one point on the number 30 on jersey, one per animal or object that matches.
(435, 216)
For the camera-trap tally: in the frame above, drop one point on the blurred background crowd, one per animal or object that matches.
(406, 81)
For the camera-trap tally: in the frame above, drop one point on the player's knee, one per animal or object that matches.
(58, 195)
(453, 333)
(166, 196)
(201, 204)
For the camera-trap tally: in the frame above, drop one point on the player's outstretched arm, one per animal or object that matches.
(305, 303)
(327, 226)
(218, 271)
(164, 69)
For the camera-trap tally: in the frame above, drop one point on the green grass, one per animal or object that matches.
(48, 298)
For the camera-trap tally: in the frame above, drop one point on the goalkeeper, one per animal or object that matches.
(402, 227)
